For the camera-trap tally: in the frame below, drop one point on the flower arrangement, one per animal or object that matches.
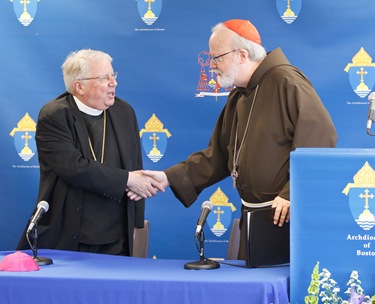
(323, 287)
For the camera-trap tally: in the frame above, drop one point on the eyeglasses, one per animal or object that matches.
(104, 78)
(219, 58)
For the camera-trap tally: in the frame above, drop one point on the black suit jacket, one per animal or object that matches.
(67, 170)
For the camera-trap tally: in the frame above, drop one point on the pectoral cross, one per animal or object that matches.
(234, 175)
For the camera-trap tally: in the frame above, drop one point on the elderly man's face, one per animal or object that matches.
(226, 66)
(99, 93)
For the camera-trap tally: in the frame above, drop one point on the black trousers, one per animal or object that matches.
(117, 248)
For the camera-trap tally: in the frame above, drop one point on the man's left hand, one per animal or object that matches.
(282, 211)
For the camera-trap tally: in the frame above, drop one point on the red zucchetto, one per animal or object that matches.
(245, 29)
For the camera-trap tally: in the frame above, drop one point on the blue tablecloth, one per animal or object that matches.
(76, 277)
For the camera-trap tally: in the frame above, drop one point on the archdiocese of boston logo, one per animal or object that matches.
(154, 138)
(361, 73)
(24, 137)
(289, 9)
(149, 10)
(25, 10)
(221, 215)
(361, 197)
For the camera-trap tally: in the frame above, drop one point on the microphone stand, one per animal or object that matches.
(203, 263)
(39, 260)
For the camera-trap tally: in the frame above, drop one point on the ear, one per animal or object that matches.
(78, 87)
(244, 55)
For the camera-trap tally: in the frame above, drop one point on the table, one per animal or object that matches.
(76, 277)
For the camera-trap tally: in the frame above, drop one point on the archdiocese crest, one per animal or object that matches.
(221, 215)
(362, 197)
(361, 73)
(207, 83)
(154, 138)
(25, 10)
(289, 9)
(149, 10)
(24, 137)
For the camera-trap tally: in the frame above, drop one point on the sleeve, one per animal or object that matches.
(204, 168)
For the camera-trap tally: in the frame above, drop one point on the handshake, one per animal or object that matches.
(145, 183)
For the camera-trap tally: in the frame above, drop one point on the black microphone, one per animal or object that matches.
(206, 209)
(42, 208)
(371, 112)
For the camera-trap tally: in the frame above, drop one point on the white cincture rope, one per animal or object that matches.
(257, 205)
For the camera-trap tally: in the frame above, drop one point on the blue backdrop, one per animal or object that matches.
(159, 49)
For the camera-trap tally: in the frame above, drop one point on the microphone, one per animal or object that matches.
(371, 112)
(42, 208)
(203, 263)
(206, 209)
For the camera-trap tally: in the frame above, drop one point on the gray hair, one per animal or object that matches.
(77, 64)
(256, 52)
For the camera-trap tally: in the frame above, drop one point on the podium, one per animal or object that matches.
(332, 223)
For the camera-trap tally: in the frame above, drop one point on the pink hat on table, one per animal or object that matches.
(18, 262)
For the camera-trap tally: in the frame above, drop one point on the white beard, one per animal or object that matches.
(227, 80)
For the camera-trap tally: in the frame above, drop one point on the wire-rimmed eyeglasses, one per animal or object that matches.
(219, 58)
(104, 78)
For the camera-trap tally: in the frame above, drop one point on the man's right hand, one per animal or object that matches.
(142, 186)
(159, 176)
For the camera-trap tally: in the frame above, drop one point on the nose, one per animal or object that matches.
(212, 63)
(113, 81)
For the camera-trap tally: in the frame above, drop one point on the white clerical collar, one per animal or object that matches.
(85, 109)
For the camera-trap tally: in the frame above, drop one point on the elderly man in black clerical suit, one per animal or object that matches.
(90, 156)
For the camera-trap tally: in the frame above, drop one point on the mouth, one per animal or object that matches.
(111, 94)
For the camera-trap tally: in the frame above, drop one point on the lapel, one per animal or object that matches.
(79, 125)
(121, 128)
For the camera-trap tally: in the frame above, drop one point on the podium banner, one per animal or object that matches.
(332, 225)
